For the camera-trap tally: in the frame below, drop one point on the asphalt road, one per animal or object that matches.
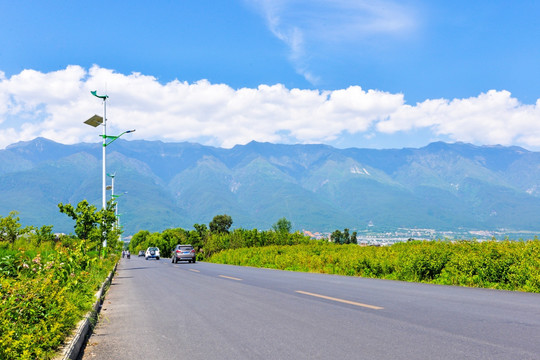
(159, 310)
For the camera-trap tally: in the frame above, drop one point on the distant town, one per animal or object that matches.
(384, 238)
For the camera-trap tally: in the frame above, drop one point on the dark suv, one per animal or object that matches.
(183, 252)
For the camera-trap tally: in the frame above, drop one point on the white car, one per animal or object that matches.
(152, 253)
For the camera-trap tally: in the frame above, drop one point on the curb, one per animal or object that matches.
(72, 348)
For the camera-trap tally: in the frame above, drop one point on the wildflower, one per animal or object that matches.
(25, 265)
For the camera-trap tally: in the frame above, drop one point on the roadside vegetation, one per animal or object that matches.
(505, 265)
(48, 282)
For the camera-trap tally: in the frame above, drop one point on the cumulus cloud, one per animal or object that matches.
(55, 104)
(494, 117)
(305, 24)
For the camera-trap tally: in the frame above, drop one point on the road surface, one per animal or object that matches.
(159, 310)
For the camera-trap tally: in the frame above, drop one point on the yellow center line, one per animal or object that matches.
(230, 277)
(341, 300)
(194, 270)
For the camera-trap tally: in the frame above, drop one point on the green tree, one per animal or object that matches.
(92, 225)
(282, 226)
(221, 224)
(85, 216)
(156, 239)
(138, 240)
(44, 234)
(344, 237)
(337, 237)
(9, 227)
(202, 230)
(354, 238)
(173, 237)
(199, 236)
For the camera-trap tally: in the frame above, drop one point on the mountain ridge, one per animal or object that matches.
(443, 186)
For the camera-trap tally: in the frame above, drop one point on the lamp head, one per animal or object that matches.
(98, 96)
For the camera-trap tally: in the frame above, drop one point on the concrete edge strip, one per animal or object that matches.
(71, 350)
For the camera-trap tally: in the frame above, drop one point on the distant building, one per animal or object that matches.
(316, 235)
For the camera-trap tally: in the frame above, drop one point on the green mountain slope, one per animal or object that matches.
(317, 187)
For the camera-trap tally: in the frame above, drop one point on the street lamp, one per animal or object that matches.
(116, 137)
(111, 187)
(114, 198)
(95, 121)
(104, 120)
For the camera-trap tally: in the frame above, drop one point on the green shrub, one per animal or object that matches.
(43, 295)
(509, 265)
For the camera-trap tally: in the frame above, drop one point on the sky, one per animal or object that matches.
(347, 73)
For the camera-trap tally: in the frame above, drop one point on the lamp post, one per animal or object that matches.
(103, 195)
(111, 187)
(95, 121)
(117, 215)
(112, 184)
(114, 198)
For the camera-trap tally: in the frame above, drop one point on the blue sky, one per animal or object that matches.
(383, 74)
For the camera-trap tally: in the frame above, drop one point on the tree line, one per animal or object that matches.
(216, 236)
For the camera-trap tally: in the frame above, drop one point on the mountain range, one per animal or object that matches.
(317, 187)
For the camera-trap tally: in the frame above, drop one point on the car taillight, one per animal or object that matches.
(193, 251)
(178, 251)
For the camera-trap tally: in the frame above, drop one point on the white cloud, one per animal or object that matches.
(494, 117)
(55, 104)
(306, 24)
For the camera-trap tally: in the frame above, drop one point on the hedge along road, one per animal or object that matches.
(159, 310)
